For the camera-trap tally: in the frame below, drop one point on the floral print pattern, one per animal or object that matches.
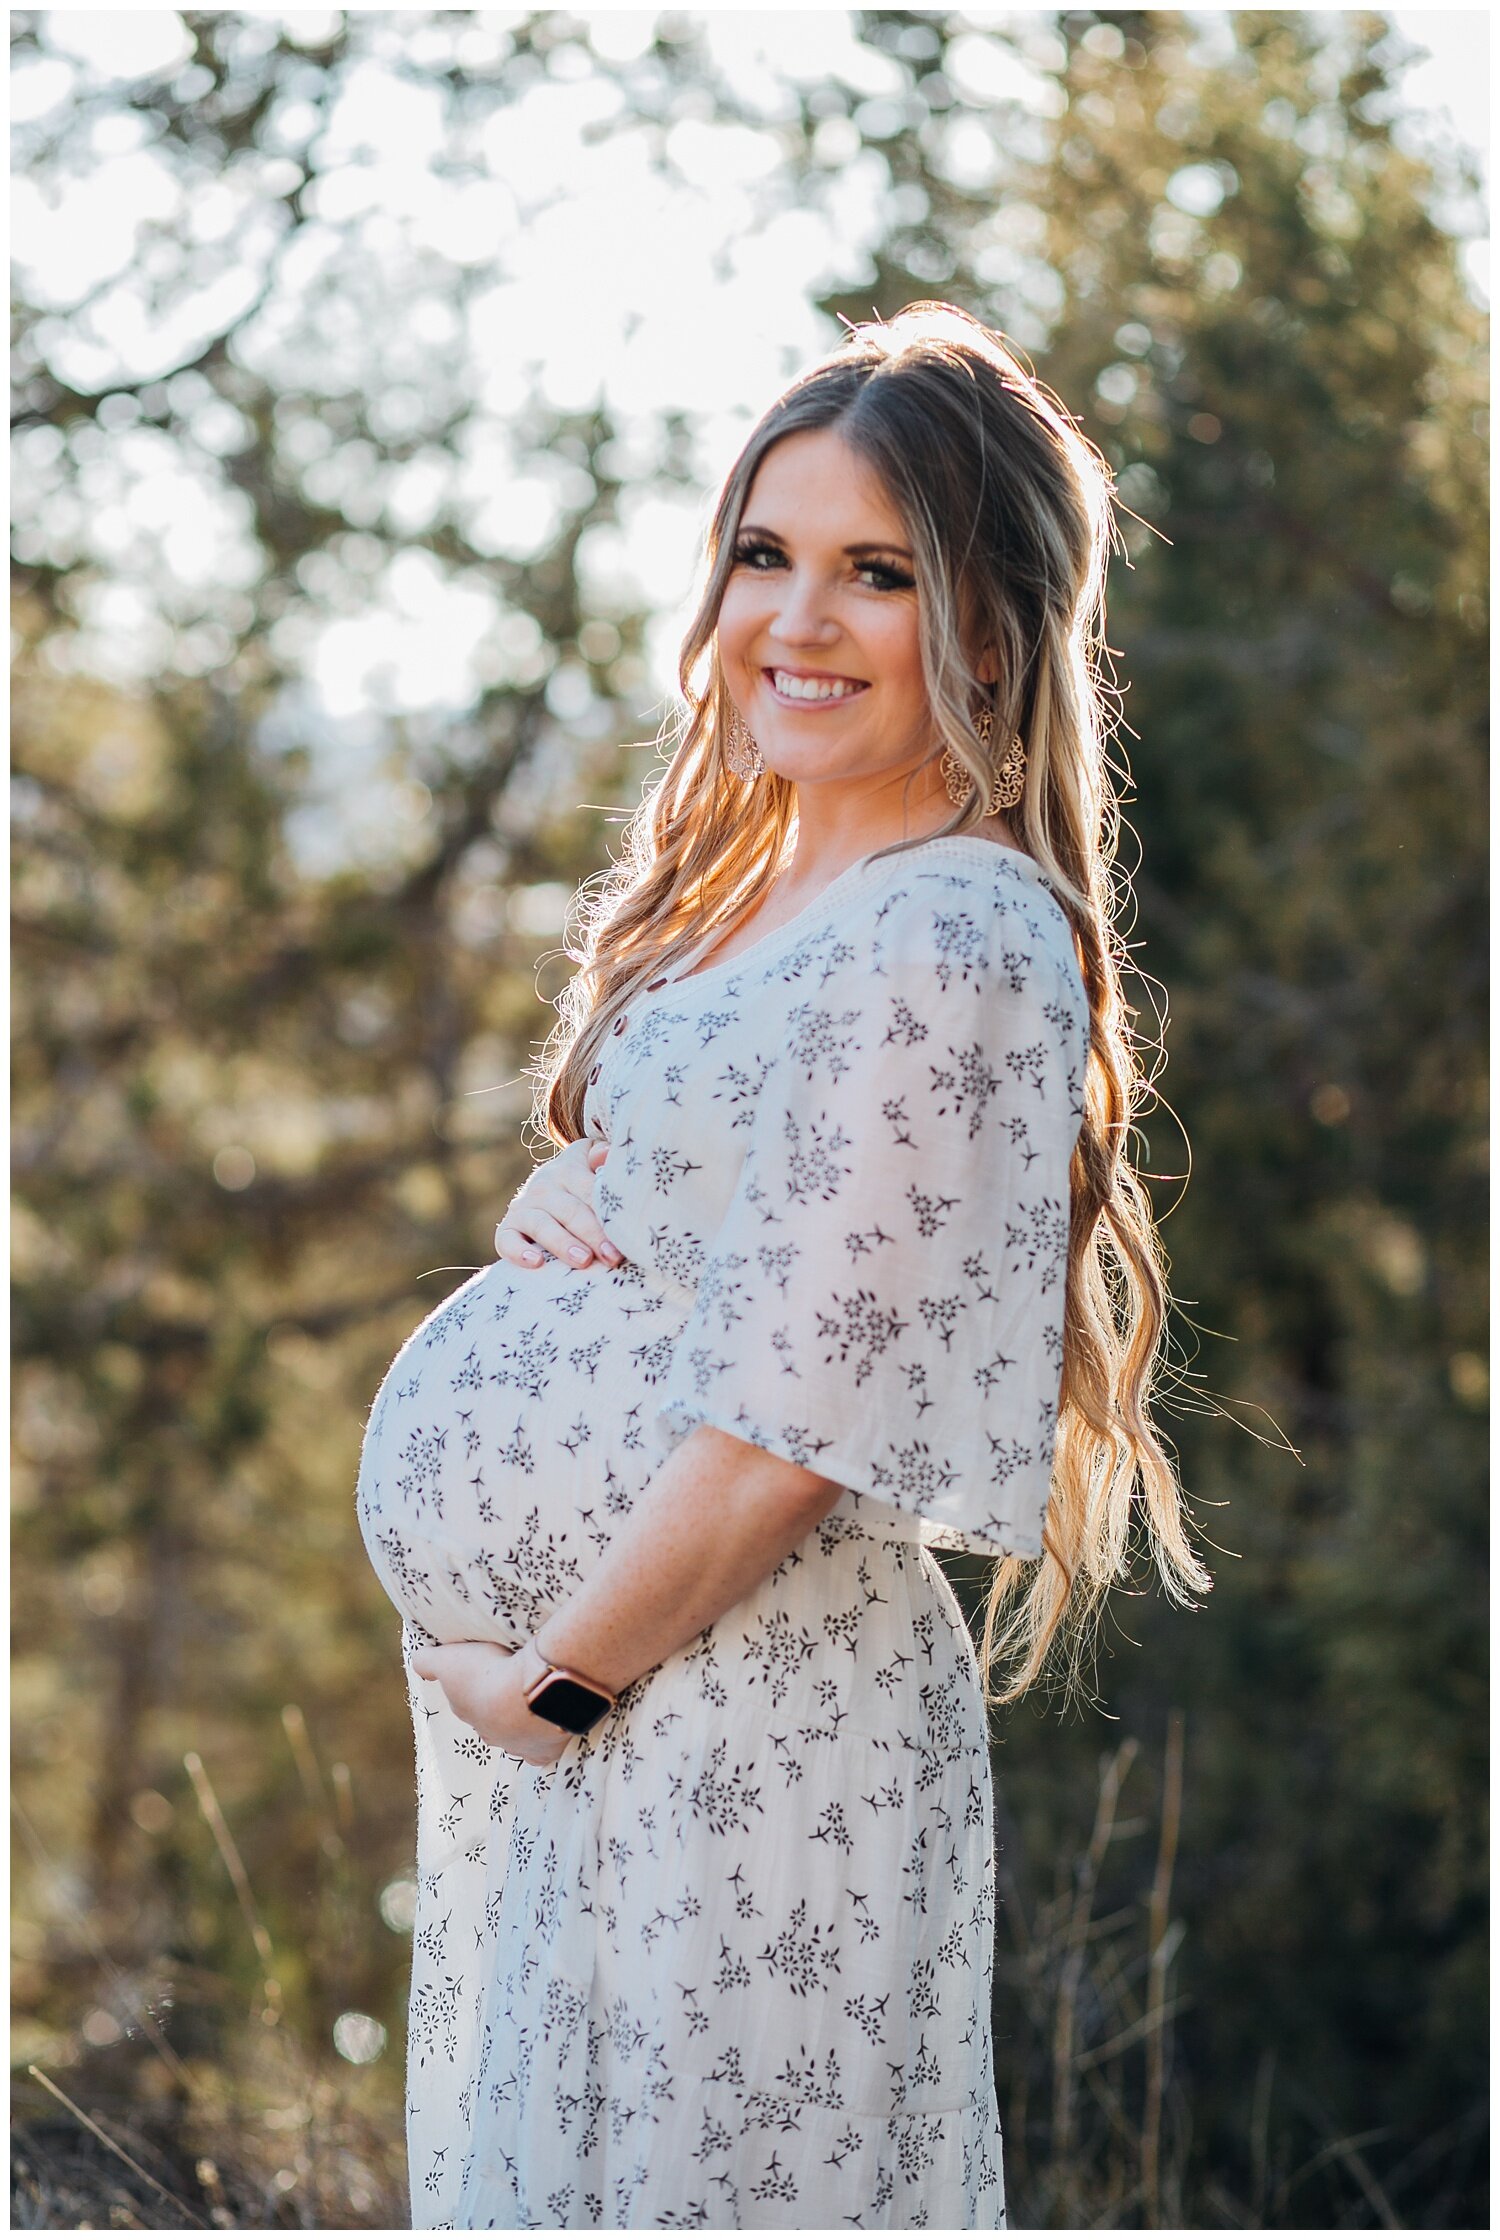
(727, 1961)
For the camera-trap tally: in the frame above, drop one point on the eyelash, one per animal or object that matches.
(895, 580)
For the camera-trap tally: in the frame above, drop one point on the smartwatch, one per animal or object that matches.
(567, 1698)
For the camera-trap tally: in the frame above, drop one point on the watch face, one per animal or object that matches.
(567, 1704)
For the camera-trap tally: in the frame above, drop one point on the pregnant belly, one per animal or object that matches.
(512, 1433)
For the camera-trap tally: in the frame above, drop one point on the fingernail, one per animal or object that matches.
(578, 1252)
(532, 1259)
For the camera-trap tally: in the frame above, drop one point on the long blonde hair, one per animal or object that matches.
(1008, 510)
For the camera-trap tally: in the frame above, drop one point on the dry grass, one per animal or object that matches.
(233, 2119)
(282, 2141)
(207, 2110)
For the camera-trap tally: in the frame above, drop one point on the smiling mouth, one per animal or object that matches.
(812, 688)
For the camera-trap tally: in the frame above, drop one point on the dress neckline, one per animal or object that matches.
(847, 879)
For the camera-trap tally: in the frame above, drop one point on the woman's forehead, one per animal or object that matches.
(815, 476)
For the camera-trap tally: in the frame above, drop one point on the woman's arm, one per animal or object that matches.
(716, 1520)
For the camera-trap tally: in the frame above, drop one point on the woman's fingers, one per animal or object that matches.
(481, 1693)
(527, 1235)
(579, 1218)
(553, 1213)
(528, 1232)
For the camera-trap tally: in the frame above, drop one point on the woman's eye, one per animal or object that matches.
(879, 572)
(746, 554)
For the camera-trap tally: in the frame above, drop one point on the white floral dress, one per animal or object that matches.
(727, 1961)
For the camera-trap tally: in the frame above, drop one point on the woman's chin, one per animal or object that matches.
(798, 750)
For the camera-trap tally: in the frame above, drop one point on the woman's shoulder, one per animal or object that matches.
(977, 908)
(972, 946)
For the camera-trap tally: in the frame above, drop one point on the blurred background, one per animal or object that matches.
(374, 371)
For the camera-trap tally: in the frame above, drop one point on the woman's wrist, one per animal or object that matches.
(536, 1659)
(540, 1660)
(532, 1661)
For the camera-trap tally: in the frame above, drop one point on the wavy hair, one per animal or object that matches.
(1008, 510)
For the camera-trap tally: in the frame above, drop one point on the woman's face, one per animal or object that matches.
(817, 630)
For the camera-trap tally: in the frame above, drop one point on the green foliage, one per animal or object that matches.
(276, 986)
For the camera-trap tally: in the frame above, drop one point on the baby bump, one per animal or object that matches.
(512, 1433)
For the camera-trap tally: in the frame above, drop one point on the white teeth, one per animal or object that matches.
(812, 688)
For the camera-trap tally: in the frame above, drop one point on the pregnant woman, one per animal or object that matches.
(840, 1263)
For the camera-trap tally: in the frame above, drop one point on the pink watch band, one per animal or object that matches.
(552, 1671)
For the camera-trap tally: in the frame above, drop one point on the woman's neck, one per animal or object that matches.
(819, 858)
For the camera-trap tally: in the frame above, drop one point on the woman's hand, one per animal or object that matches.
(553, 1212)
(487, 1692)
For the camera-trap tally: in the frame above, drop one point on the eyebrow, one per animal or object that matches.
(753, 529)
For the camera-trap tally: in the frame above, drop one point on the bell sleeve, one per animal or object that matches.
(883, 1301)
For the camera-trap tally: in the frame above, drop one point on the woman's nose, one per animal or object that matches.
(802, 619)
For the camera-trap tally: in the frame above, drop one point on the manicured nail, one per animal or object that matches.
(578, 1252)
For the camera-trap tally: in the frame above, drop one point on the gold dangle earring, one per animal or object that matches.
(740, 750)
(1010, 778)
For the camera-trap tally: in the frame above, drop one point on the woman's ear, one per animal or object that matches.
(989, 668)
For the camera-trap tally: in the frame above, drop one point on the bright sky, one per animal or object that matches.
(698, 296)
(1451, 82)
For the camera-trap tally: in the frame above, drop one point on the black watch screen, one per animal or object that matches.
(567, 1703)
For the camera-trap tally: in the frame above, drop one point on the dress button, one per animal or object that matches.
(619, 1026)
(653, 985)
(593, 1077)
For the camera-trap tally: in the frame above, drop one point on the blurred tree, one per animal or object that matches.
(258, 1025)
(275, 948)
(1291, 382)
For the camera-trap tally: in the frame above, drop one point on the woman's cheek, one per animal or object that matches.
(738, 624)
